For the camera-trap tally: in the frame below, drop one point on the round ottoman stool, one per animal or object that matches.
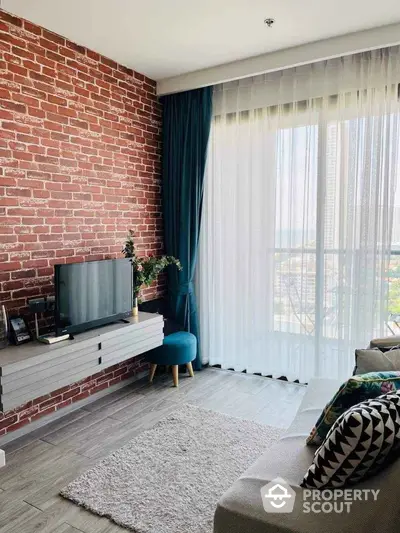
(178, 349)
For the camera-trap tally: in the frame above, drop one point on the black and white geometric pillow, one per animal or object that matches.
(360, 443)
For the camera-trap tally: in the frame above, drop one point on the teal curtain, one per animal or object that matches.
(186, 129)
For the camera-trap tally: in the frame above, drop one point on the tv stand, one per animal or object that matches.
(34, 369)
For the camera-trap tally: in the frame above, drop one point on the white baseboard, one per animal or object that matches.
(2, 458)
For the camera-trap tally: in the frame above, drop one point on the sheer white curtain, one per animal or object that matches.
(297, 225)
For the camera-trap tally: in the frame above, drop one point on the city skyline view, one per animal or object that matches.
(313, 259)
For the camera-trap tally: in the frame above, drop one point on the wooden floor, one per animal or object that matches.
(40, 464)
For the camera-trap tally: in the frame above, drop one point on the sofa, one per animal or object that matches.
(240, 510)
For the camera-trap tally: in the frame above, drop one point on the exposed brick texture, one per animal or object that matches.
(79, 159)
(39, 407)
(79, 166)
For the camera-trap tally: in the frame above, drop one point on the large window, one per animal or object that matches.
(300, 234)
(312, 253)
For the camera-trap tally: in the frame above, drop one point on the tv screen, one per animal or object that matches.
(92, 294)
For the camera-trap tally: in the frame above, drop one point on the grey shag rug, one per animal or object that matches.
(170, 478)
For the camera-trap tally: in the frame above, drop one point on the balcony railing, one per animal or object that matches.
(310, 288)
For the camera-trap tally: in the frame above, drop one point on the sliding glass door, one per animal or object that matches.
(300, 206)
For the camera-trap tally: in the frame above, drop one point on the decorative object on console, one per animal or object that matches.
(19, 330)
(145, 270)
(353, 391)
(3, 327)
(360, 443)
(135, 305)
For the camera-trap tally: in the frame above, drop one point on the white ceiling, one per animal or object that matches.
(165, 38)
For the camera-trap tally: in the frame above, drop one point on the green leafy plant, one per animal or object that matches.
(145, 270)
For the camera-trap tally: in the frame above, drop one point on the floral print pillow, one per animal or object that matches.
(353, 391)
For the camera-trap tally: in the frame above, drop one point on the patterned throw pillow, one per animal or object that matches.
(353, 391)
(360, 443)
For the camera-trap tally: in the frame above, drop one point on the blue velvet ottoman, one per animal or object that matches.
(178, 349)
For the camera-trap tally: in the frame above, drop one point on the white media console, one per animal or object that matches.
(34, 369)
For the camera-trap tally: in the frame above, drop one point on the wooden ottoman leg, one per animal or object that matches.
(190, 369)
(152, 372)
(175, 377)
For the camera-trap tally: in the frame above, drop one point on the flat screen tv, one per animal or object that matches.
(92, 294)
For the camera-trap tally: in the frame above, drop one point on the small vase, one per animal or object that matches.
(135, 309)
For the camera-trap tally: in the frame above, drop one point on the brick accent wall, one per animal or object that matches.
(79, 166)
(50, 403)
(79, 159)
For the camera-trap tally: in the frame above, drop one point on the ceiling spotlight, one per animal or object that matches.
(269, 22)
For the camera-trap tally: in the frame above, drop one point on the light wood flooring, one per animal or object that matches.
(43, 462)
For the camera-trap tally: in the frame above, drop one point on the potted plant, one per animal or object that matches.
(145, 270)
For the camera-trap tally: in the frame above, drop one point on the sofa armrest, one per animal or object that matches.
(385, 342)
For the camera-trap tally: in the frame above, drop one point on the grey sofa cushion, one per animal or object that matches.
(240, 509)
(374, 360)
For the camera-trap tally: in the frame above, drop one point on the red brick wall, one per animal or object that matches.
(79, 159)
(50, 403)
(79, 166)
